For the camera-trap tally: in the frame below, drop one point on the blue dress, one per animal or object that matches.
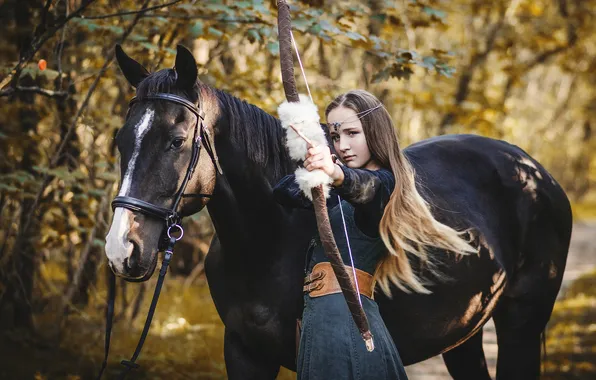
(331, 346)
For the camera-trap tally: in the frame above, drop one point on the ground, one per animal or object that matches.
(186, 337)
(581, 260)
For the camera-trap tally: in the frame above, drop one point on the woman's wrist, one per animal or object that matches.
(338, 175)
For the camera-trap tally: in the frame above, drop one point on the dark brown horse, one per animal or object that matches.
(519, 215)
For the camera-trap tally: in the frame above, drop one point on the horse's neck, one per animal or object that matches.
(253, 158)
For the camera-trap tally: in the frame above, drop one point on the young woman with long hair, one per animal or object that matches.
(385, 217)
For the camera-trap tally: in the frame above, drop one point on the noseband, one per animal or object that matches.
(171, 215)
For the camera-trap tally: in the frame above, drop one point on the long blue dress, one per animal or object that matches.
(331, 346)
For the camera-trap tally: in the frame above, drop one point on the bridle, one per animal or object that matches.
(170, 216)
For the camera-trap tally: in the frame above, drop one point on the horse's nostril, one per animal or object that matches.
(133, 260)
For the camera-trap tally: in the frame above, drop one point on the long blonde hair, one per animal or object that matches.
(407, 226)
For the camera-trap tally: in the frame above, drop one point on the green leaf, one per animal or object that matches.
(273, 47)
(96, 192)
(260, 7)
(98, 243)
(434, 12)
(215, 32)
(196, 29)
(445, 70)
(381, 76)
(22, 176)
(316, 29)
(107, 176)
(301, 24)
(428, 62)
(355, 36)
(220, 8)
(149, 46)
(79, 197)
(137, 37)
(6, 187)
(243, 4)
(78, 174)
(326, 26)
(253, 36)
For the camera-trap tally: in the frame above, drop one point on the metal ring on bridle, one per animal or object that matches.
(179, 227)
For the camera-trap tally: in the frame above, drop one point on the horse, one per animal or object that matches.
(517, 214)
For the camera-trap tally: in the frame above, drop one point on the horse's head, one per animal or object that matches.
(157, 143)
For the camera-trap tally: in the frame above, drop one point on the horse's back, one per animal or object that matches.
(492, 186)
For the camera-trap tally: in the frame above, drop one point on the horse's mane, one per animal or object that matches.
(258, 133)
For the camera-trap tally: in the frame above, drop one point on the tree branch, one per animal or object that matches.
(125, 13)
(210, 18)
(61, 47)
(42, 91)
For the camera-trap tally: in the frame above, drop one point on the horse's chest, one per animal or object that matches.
(256, 322)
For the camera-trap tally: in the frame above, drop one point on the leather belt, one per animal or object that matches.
(321, 281)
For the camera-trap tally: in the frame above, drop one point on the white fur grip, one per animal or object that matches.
(304, 116)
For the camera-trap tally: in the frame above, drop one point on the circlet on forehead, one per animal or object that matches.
(358, 116)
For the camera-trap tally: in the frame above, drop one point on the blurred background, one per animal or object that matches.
(519, 70)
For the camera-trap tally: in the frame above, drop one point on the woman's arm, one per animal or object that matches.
(288, 193)
(368, 191)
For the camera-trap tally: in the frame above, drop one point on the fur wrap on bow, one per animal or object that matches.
(304, 116)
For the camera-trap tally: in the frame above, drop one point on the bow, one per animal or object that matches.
(319, 191)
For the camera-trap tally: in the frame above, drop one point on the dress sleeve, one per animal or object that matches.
(287, 193)
(368, 191)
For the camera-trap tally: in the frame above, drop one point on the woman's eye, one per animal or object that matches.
(176, 144)
(353, 133)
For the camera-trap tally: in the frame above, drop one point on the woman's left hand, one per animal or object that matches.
(319, 157)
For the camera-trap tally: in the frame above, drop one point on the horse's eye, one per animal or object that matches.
(177, 143)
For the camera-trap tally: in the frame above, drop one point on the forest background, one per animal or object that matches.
(519, 70)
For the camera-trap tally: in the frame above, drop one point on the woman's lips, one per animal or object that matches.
(349, 158)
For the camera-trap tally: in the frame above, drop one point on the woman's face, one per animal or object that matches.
(348, 139)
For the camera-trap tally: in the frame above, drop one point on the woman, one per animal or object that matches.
(382, 222)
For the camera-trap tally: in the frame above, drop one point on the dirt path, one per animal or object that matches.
(582, 258)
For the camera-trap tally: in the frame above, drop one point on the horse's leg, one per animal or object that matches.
(467, 360)
(527, 303)
(242, 364)
(518, 337)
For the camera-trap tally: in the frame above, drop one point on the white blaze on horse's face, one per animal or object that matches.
(118, 246)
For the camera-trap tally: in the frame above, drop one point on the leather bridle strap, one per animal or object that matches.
(135, 204)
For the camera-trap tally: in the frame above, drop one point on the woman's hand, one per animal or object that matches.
(319, 157)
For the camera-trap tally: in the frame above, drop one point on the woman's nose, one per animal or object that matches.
(343, 144)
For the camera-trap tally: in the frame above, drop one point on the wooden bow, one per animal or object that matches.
(348, 289)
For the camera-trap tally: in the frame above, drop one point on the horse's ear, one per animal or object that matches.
(133, 71)
(186, 68)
